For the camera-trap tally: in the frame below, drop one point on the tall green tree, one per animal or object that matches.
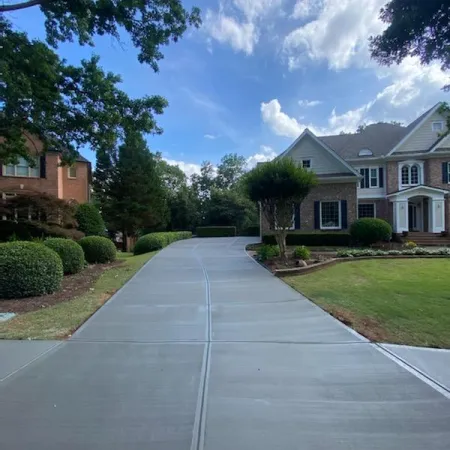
(415, 28)
(149, 23)
(230, 169)
(278, 186)
(134, 199)
(65, 106)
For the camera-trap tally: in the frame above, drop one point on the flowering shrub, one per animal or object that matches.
(410, 244)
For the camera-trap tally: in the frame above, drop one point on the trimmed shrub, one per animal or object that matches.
(71, 253)
(250, 231)
(28, 230)
(89, 219)
(266, 252)
(410, 244)
(28, 269)
(98, 249)
(312, 239)
(216, 231)
(368, 231)
(156, 241)
(302, 252)
(418, 251)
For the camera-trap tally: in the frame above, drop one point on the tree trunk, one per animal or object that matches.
(124, 241)
(280, 237)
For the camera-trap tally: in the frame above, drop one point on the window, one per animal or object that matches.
(370, 178)
(6, 196)
(373, 177)
(437, 126)
(410, 175)
(330, 215)
(306, 163)
(366, 210)
(22, 169)
(72, 171)
(365, 152)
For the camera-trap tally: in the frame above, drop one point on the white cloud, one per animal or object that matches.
(226, 29)
(309, 103)
(266, 153)
(306, 8)
(280, 123)
(188, 168)
(238, 23)
(210, 136)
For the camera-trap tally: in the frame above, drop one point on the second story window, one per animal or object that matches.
(371, 178)
(72, 171)
(437, 126)
(410, 175)
(22, 169)
(306, 163)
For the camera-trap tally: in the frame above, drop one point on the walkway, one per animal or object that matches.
(204, 349)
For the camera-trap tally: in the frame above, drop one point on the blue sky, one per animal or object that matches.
(259, 71)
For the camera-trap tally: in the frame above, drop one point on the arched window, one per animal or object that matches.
(405, 175)
(414, 177)
(365, 152)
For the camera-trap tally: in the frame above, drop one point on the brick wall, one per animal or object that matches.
(433, 172)
(323, 192)
(56, 181)
(391, 177)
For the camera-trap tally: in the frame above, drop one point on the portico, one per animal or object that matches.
(420, 208)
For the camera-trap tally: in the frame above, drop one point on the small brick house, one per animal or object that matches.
(400, 174)
(68, 183)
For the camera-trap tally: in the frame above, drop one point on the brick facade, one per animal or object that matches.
(323, 192)
(56, 181)
(433, 172)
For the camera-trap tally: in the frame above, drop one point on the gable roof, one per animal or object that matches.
(324, 145)
(443, 143)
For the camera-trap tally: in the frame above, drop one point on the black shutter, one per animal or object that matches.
(297, 216)
(366, 178)
(445, 172)
(344, 224)
(317, 215)
(43, 168)
(362, 181)
(381, 177)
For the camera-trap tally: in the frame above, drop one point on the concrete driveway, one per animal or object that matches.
(204, 349)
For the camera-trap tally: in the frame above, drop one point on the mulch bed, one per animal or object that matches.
(291, 263)
(72, 286)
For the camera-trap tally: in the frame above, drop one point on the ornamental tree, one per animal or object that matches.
(278, 186)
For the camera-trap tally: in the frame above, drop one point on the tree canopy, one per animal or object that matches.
(63, 105)
(149, 23)
(278, 186)
(415, 28)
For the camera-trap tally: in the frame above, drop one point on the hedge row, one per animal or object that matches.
(250, 231)
(27, 230)
(418, 251)
(156, 241)
(98, 250)
(312, 239)
(216, 231)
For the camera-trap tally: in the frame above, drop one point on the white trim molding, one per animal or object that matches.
(410, 163)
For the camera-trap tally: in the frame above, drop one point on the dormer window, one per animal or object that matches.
(365, 152)
(437, 126)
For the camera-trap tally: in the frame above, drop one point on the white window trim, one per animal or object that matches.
(68, 172)
(38, 167)
(436, 122)
(369, 168)
(402, 164)
(368, 203)
(310, 163)
(339, 215)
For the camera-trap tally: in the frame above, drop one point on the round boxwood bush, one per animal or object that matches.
(98, 249)
(368, 231)
(89, 219)
(150, 243)
(71, 253)
(28, 269)
(302, 252)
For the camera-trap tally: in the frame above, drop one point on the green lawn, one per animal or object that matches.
(397, 301)
(60, 321)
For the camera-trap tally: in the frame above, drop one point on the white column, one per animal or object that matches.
(400, 216)
(437, 215)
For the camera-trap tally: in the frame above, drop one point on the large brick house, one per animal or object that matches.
(400, 174)
(68, 183)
